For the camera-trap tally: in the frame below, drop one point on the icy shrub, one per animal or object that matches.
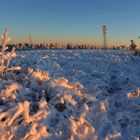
(5, 57)
(137, 52)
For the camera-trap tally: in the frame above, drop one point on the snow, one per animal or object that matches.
(71, 94)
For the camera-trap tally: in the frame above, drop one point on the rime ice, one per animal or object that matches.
(71, 94)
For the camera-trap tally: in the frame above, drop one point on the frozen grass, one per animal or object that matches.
(71, 94)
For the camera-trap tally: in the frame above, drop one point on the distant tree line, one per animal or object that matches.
(27, 46)
(94, 47)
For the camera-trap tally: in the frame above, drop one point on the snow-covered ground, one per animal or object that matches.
(71, 95)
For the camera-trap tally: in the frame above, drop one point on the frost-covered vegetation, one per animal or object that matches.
(71, 94)
(5, 57)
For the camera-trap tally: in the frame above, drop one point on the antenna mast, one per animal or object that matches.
(105, 36)
(30, 39)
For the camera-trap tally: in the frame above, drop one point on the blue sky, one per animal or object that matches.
(71, 20)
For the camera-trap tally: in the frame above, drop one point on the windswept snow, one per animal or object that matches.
(71, 95)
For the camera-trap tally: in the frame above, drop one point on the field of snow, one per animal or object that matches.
(71, 95)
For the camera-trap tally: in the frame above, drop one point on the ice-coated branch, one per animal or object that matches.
(5, 58)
